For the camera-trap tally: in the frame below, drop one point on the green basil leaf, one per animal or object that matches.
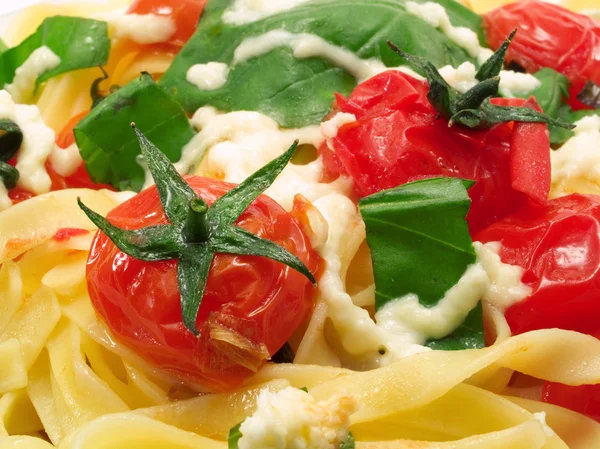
(3, 46)
(234, 437)
(549, 95)
(349, 442)
(11, 138)
(9, 175)
(469, 335)
(298, 92)
(558, 136)
(108, 147)
(419, 239)
(78, 42)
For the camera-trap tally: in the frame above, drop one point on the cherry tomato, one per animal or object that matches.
(398, 137)
(254, 303)
(558, 245)
(185, 14)
(549, 36)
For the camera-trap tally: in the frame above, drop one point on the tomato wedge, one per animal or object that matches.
(549, 36)
(398, 137)
(251, 305)
(185, 14)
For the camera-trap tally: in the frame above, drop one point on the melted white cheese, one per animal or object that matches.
(489, 279)
(293, 419)
(23, 84)
(305, 45)
(237, 144)
(436, 16)
(576, 165)
(38, 142)
(65, 161)
(143, 28)
(247, 11)
(511, 83)
(330, 128)
(209, 76)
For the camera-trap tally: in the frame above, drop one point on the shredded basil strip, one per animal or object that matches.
(196, 232)
(420, 244)
(11, 138)
(79, 43)
(234, 437)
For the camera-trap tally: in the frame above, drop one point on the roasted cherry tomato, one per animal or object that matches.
(185, 14)
(251, 305)
(398, 137)
(549, 36)
(558, 245)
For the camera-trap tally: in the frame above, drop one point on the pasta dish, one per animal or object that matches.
(300, 224)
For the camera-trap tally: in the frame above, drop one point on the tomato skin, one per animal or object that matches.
(398, 138)
(549, 36)
(558, 245)
(185, 13)
(259, 300)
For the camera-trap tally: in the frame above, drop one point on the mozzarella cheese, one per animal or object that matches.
(65, 161)
(293, 419)
(142, 28)
(576, 165)
(462, 78)
(436, 16)
(517, 84)
(247, 11)
(209, 76)
(38, 142)
(23, 84)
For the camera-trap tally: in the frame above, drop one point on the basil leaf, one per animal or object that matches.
(419, 239)
(9, 175)
(3, 46)
(234, 437)
(469, 335)
(11, 138)
(349, 442)
(549, 95)
(558, 136)
(298, 92)
(590, 95)
(110, 152)
(78, 42)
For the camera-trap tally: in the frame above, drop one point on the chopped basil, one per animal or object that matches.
(11, 139)
(349, 442)
(420, 243)
(558, 136)
(78, 42)
(3, 46)
(299, 92)
(110, 153)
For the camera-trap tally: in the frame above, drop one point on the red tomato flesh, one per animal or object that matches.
(558, 245)
(185, 14)
(255, 300)
(399, 138)
(549, 36)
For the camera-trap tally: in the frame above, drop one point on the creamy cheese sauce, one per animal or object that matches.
(23, 84)
(38, 143)
(209, 76)
(65, 161)
(142, 28)
(293, 419)
(576, 165)
(248, 11)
